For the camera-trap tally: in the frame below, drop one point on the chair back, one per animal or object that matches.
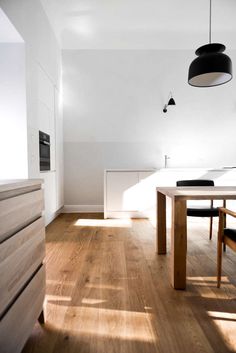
(195, 182)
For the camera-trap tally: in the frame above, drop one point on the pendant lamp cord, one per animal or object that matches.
(210, 25)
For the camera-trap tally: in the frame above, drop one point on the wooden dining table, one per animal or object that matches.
(179, 197)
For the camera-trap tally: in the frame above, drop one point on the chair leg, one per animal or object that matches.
(219, 247)
(224, 245)
(219, 262)
(210, 234)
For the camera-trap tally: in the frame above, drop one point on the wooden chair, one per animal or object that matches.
(226, 236)
(201, 211)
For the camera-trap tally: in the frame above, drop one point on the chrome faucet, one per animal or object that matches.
(166, 160)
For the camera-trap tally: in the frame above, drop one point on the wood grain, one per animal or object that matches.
(161, 224)
(17, 323)
(108, 291)
(179, 196)
(20, 256)
(14, 185)
(17, 212)
(200, 192)
(178, 244)
(20, 191)
(223, 240)
(22, 250)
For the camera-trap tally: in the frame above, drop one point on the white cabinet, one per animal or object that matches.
(44, 117)
(46, 110)
(132, 193)
(59, 151)
(121, 191)
(143, 176)
(50, 197)
(50, 120)
(128, 193)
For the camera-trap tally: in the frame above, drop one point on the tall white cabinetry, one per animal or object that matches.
(59, 150)
(50, 121)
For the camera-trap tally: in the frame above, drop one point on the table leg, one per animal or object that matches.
(161, 224)
(178, 244)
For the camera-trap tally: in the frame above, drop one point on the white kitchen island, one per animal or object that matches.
(131, 193)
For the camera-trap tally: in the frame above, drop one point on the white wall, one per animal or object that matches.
(113, 101)
(13, 121)
(42, 53)
(43, 74)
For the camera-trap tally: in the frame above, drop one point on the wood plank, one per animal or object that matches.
(108, 291)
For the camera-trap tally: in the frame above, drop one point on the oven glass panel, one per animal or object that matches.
(44, 151)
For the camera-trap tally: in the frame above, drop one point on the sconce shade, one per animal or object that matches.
(211, 67)
(171, 101)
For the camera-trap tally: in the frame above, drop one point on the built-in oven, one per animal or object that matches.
(44, 151)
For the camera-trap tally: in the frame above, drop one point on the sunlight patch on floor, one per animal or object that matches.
(226, 324)
(60, 298)
(207, 281)
(109, 323)
(203, 284)
(205, 278)
(207, 287)
(56, 282)
(113, 223)
(91, 301)
(103, 286)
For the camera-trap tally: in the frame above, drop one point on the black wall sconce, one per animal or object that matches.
(171, 101)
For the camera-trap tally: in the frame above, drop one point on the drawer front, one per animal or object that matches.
(19, 211)
(20, 256)
(17, 324)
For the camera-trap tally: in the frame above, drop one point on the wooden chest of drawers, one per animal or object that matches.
(22, 272)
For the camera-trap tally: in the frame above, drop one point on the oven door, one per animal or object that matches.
(44, 147)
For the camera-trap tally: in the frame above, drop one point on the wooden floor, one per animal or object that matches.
(107, 291)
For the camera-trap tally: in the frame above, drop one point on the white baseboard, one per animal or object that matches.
(82, 209)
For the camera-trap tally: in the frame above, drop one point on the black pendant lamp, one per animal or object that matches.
(212, 67)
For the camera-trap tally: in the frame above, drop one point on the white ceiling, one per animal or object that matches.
(140, 24)
(8, 33)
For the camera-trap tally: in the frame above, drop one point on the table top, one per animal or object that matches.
(199, 192)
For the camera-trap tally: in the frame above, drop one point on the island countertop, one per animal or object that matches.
(14, 187)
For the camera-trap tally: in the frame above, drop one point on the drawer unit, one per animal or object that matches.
(20, 256)
(17, 323)
(22, 251)
(17, 212)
